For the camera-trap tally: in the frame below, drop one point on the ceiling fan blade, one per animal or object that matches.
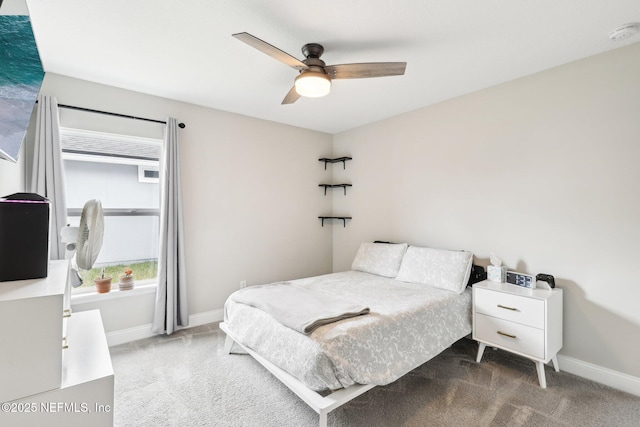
(270, 50)
(291, 97)
(365, 70)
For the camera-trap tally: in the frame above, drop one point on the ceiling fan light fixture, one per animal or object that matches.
(312, 84)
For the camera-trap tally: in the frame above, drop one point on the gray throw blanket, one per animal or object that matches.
(299, 308)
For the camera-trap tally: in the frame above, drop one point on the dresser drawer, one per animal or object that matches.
(509, 335)
(516, 308)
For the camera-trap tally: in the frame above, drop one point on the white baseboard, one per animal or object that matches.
(206, 317)
(130, 334)
(601, 375)
(144, 331)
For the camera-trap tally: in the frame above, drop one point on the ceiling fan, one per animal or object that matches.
(315, 76)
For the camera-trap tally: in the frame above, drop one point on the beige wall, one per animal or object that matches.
(543, 171)
(251, 196)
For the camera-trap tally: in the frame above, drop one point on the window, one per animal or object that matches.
(108, 167)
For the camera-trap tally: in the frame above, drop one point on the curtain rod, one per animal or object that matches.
(126, 116)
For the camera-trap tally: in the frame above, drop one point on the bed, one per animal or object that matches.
(417, 305)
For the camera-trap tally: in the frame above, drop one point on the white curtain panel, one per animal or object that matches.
(171, 308)
(47, 174)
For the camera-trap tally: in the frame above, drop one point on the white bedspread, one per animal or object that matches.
(302, 308)
(408, 324)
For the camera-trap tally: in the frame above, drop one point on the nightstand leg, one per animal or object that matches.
(541, 378)
(554, 360)
(481, 347)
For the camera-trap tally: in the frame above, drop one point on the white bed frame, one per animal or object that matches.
(322, 405)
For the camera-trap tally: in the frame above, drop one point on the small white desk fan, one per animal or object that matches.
(83, 245)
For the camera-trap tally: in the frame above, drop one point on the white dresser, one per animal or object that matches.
(523, 321)
(42, 382)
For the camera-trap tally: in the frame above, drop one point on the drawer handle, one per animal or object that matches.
(506, 334)
(66, 313)
(507, 308)
(65, 343)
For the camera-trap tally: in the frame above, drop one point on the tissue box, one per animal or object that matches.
(496, 273)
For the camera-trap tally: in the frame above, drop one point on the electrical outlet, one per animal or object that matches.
(243, 284)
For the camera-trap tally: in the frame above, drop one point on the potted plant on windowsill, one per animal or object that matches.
(103, 284)
(126, 280)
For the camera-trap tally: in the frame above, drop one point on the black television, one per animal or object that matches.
(21, 76)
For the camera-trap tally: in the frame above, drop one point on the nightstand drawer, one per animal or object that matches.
(509, 335)
(516, 308)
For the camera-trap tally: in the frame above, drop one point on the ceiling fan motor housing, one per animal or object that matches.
(313, 82)
(312, 50)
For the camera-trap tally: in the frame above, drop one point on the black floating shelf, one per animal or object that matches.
(343, 218)
(336, 160)
(344, 186)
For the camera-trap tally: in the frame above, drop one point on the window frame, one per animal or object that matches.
(142, 161)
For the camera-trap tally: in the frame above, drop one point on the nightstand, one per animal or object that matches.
(523, 321)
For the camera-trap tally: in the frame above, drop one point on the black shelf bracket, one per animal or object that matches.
(336, 160)
(343, 218)
(344, 186)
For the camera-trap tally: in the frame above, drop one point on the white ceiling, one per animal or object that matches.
(183, 49)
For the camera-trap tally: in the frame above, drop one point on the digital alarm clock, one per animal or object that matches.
(521, 279)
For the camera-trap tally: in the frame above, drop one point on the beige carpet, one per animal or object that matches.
(186, 380)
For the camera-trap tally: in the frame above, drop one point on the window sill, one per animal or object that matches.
(89, 297)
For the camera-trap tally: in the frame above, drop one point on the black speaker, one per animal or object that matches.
(24, 237)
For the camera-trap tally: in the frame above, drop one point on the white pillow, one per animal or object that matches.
(439, 268)
(382, 259)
